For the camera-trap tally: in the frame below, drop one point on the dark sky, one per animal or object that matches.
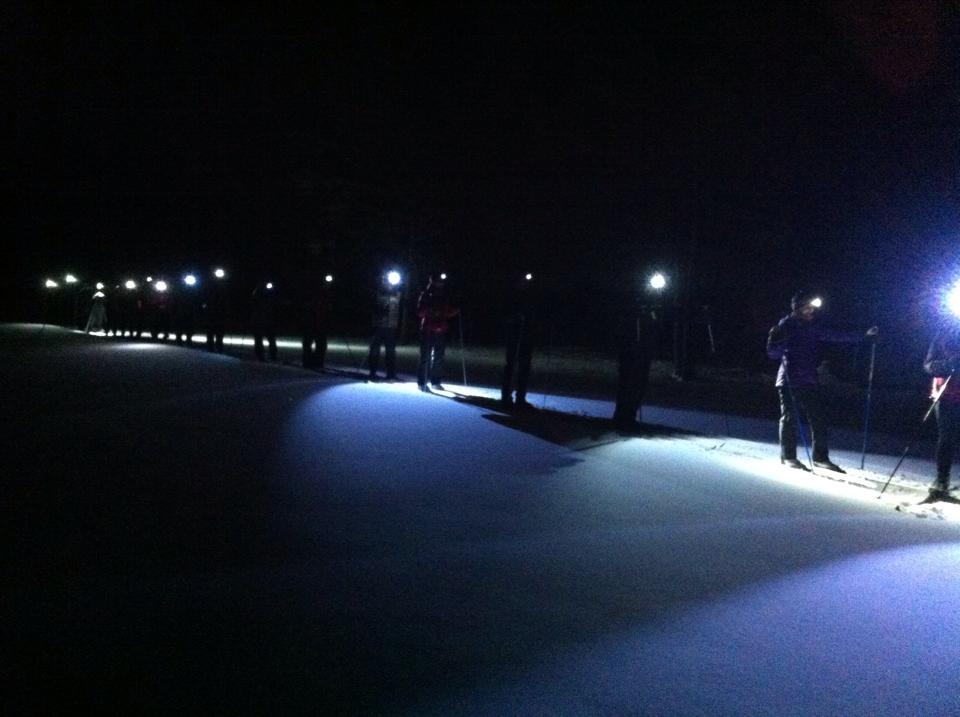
(764, 148)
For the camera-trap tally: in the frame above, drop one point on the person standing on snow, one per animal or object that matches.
(98, 312)
(387, 315)
(942, 362)
(314, 315)
(635, 333)
(521, 322)
(434, 311)
(797, 341)
(264, 319)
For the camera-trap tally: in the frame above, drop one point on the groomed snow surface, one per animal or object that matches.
(196, 533)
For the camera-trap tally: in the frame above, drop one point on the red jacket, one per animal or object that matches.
(434, 310)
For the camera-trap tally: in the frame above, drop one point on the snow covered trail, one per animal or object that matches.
(193, 533)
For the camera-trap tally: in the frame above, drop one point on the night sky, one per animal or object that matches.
(763, 149)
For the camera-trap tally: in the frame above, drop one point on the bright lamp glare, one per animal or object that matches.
(190, 280)
(816, 303)
(99, 285)
(149, 279)
(328, 278)
(528, 277)
(393, 278)
(443, 277)
(130, 284)
(50, 284)
(658, 281)
(70, 279)
(219, 273)
(160, 285)
(269, 285)
(953, 300)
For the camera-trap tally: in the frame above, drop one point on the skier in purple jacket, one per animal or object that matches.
(797, 342)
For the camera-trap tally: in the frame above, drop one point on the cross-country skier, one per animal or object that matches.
(797, 341)
(434, 310)
(942, 361)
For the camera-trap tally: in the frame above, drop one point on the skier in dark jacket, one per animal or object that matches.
(635, 334)
(314, 315)
(797, 341)
(264, 318)
(216, 307)
(522, 317)
(387, 316)
(942, 362)
(434, 311)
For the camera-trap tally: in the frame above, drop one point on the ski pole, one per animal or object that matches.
(906, 450)
(866, 415)
(463, 360)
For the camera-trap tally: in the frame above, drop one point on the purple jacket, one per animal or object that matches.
(799, 348)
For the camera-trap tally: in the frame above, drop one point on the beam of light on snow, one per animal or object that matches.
(136, 345)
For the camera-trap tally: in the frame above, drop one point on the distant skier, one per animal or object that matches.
(314, 317)
(264, 318)
(942, 362)
(434, 311)
(635, 337)
(98, 312)
(216, 308)
(387, 315)
(797, 341)
(522, 317)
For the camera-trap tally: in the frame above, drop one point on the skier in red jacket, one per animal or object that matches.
(434, 311)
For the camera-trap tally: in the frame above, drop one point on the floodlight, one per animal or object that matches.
(160, 286)
(70, 279)
(328, 278)
(219, 273)
(130, 284)
(658, 281)
(952, 300)
(190, 280)
(393, 278)
(51, 284)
